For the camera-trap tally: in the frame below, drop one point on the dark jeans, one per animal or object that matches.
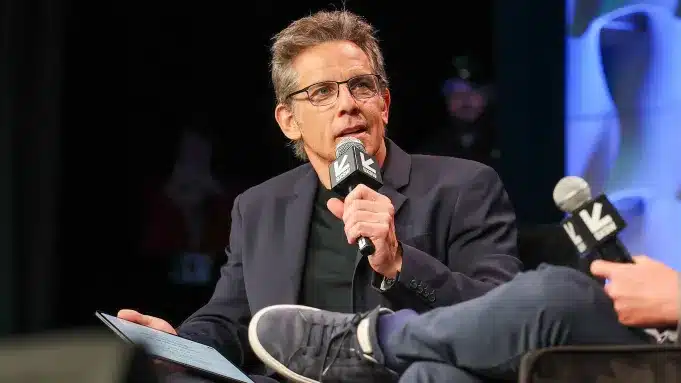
(486, 337)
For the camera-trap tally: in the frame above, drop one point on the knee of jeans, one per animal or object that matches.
(548, 275)
(561, 286)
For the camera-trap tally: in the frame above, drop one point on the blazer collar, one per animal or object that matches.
(396, 172)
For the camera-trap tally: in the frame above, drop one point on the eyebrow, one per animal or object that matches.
(349, 77)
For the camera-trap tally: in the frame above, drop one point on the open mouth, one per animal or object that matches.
(352, 132)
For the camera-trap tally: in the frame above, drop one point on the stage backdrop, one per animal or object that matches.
(623, 114)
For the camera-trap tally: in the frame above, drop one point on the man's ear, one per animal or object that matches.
(385, 112)
(287, 123)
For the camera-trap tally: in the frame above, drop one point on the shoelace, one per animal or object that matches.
(349, 329)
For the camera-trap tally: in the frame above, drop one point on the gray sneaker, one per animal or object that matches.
(308, 345)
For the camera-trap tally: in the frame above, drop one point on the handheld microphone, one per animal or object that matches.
(592, 224)
(354, 166)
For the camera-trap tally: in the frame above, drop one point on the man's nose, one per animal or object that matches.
(345, 99)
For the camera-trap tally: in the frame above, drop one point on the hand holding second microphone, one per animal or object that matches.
(644, 293)
(367, 213)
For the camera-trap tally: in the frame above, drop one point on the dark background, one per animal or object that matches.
(96, 97)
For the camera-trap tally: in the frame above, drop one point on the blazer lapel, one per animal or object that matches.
(297, 216)
(396, 172)
(395, 196)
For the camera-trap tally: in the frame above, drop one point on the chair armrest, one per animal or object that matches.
(641, 363)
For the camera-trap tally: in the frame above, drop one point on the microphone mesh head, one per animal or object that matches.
(346, 143)
(570, 193)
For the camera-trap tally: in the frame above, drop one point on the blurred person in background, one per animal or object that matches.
(187, 227)
(470, 131)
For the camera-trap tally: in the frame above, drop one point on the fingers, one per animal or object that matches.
(345, 209)
(359, 205)
(363, 192)
(369, 219)
(365, 213)
(336, 207)
(611, 289)
(367, 229)
(641, 258)
(364, 216)
(604, 269)
(131, 315)
(146, 320)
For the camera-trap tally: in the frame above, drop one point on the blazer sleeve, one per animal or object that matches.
(222, 322)
(481, 247)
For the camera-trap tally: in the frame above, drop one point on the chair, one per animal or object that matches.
(602, 364)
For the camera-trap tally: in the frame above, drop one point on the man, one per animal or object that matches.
(470, 129)
(443, 228)
(481, 338)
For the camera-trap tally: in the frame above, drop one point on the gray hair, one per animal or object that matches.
(316, 29)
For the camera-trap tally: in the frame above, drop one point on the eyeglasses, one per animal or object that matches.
(326, 92)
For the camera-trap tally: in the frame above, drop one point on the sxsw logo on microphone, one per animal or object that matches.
(576, 238)
(598, 224)
(593, 224)
(341, 168)
(366, 164)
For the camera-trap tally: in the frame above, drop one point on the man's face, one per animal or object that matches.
(321, 127)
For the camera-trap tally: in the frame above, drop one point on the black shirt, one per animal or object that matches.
(330, 260)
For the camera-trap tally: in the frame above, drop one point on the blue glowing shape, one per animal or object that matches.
(623, 114)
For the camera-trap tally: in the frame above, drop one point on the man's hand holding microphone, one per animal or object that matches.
(645, 292)
(367, 214)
